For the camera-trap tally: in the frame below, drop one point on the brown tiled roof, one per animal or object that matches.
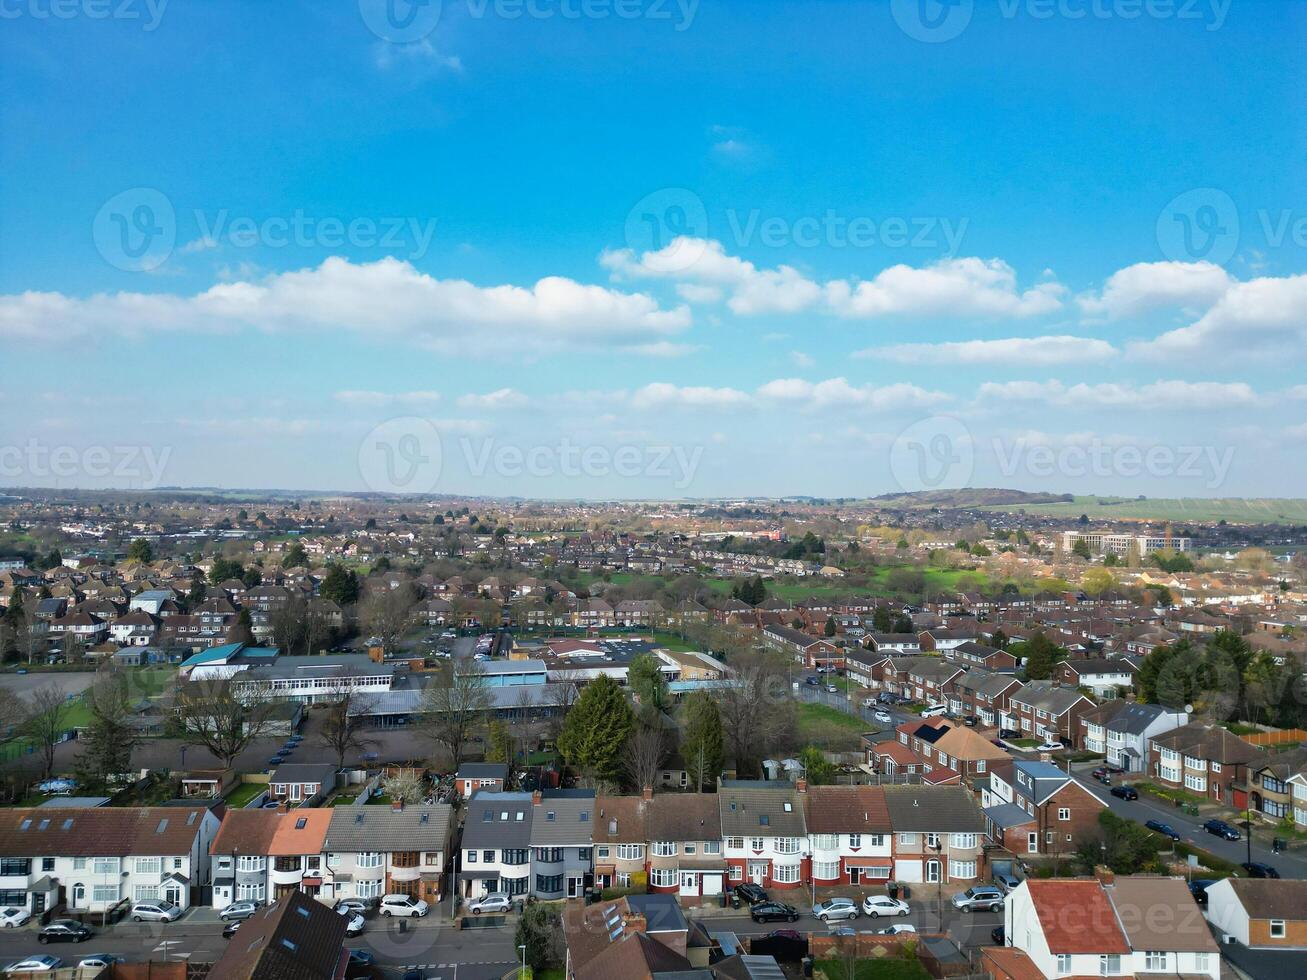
(847, 809)
(620, 820)
(633, 958)
(1076, 917)
(99, 831)
(1160, 913)
(684, 816)
(245, 832)
(1209, 742)
(1272, 898)
(299, 938)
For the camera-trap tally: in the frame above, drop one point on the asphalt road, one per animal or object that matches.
(1190, 829)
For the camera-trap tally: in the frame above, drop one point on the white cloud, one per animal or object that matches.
(838, 393)
(1019, 351)
(1265, 316)
(801, 359)
(968, 287)
(660, 394)
(1148, 286)
(1298, 393)
(1159, 396)
(503, 398)
(383, 300)
(382, 398)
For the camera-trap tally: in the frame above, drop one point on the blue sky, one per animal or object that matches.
(708, 249)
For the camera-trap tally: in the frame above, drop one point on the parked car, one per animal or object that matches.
(835, 909)
(64, 931)
(14, 915)
(1008, 733)
(1222, 829)
(1198, 889)
(98, 961)
(230, 928)
(792, 934)
(397, 904)
(811, 681)
(355, 925)
(896, 929)
(1256, 869)
(878, 905)
(352, 906)
(934, 710)
(998, 935)
(832, 689)
(773, 912)
(979, 897)
(238, 910)
(494, 902)
(751, 893)
(1006, 880)
(1162, 828)
(35, 964)
(155, 912)
(1049, 746)
(883, 716)
(360, 964)
(1125, 792)
(971, 721)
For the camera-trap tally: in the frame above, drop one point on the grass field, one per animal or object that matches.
(810, 715)
(243, 793)
(796, 589)
(1234, 510)
(867, 969)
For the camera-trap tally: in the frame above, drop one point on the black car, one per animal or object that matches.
(1125, 792)
(1222, 829)
(751, 893)
(64, 931)
(1256, 869)
(1198, 889)
(774, 912)
(1008, 733)
(360, 963)
(997, 935)
(1162, 828)
(230, 928)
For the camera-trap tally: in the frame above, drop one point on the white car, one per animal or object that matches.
(832, 689)
(14, 915)
(355, 925)
(352, 906)
(878, 905)
(35, 964)
(883, 716)
(494, 902)
(1050, 747)
(98, 961)
(934, 710)
(896, 930)
(397, 904)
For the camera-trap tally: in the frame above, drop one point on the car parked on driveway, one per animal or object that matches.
(1256, 869)
(979, 898)
(1006, 880)
(1198, 889)
(1162, 828)
(751, 893)
(1222, 829)
(155, 912)
(352, 906)
(878, 905)
(354, 925)
(494, 902)
(13, 915)
(64, 931)
(398, 904)
(1125, 792)
(834, 909)
(773, 912)
(238, 910)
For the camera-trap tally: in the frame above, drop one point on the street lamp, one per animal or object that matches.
(522, 950)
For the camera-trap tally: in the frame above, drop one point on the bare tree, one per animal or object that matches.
(404, 786)
(454, 706)
(756, 708)
(224, 716)
(46, 723)
(388, 613)
(645, 752)
(559, 698)
(341, 732)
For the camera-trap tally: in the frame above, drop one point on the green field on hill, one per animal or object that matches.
(1233, 510)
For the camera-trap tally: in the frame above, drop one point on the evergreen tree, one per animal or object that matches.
(1041, 654)
(595, 731)
(830, 628)
(703, 739)
(295, 556)
(648, 682)
(1081, 548)
(242, 631)
(109, 740)
(818, 771)
(882, 620)
(341, 585)
(140, 550)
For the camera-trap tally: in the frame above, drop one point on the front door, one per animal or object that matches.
(1032, 843)
(689, 883)
(573, 887)
(855, 876)
(932, 871)
(757, 871)
(173, 894)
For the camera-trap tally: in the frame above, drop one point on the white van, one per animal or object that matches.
(403, 905)
(934, 710)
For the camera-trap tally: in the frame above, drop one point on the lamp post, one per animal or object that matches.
(522, 950)
(939, 880)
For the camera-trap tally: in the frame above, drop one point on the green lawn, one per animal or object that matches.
(866, 969)
(378, 799)
(243, 793)
(1235, 510)
(342, 800)
(813, 714)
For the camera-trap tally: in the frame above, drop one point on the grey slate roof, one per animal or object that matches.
(1055, 700)
(483, 770)
(933, 809)
(761, 808)
(564, 817)
(498, 820)
(378, 828)
(323, 773)
(1008, 815)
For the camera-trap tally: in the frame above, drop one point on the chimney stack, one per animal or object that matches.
(1105, 875)
(801, 785)
(647, 792)
(283, 807)
(397, 805)
(536, 797)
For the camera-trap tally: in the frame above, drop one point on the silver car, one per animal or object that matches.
(494, 902)
(834, 909)
(155, 912)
